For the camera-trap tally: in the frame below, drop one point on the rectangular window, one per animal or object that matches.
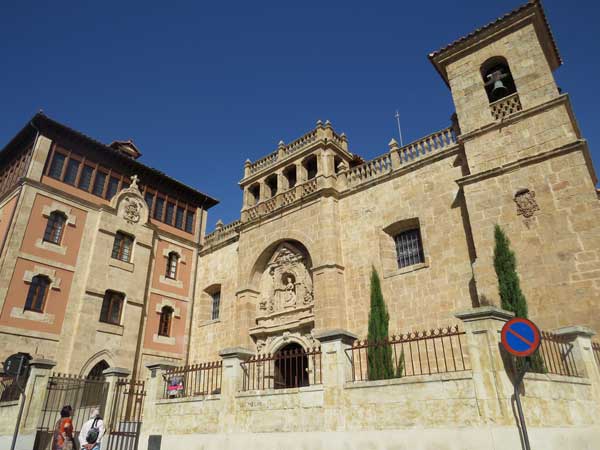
(113, 187)
(409, 248)
(99, 183)
(122, 247)
(189, 222)
(179, 217)
(86, 178)
(216, 304)
(169, 214)
(72, 169)
(112, 304)
(158, 208)
(149, 197)
(56, 166)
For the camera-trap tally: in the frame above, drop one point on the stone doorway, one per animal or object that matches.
(291, 367)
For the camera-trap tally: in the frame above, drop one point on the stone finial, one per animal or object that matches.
(319, 123)
(342, 166)
(281, 144)
(134, 182)
(343, 136)
(327, 123)
(393, 144)
(247, 162)
(219, 225)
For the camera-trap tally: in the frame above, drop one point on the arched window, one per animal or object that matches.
(497, 78)
(164, 323)
(55, 227)
(172, 263)
(122, 247)
(38, 291)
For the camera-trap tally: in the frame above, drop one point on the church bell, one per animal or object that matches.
(499, 90)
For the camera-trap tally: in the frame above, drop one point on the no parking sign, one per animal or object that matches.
(520, 337)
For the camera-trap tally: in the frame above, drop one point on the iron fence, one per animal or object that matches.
(596, 350)
(9, 389)
(81, 393)
(127, 412)
(557, 355)
(286, 369)
(193, 380)
(417, 353)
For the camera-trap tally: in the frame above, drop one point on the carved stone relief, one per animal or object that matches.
(286, 283)
(130, 204)
(526, 204)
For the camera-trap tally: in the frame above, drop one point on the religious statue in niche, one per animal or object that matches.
(526, 204)
(286, 283)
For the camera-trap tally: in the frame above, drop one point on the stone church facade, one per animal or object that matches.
(518, 161)
(105, 264)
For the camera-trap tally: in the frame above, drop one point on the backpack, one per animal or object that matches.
(93, 433)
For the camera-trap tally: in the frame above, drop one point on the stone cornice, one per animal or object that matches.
(510, 167)
(562, 99)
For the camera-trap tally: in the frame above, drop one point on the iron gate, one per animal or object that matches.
(126, 415)
(83, 394)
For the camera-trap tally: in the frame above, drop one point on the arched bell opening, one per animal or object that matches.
(291, 367)
(497, 78)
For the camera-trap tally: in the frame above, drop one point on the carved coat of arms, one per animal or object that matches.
(132, 210)
(526, 203)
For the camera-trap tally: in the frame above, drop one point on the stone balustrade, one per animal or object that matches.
(322, 132)
(222, 234)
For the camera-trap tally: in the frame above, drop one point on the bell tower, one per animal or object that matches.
(502, 85)
(527, 168)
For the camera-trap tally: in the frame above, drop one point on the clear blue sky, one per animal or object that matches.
(201, 86)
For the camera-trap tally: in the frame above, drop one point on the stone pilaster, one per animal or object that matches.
(492, 385)
(35, 393)
(231, 382)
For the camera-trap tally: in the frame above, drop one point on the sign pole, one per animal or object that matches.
(517, 383)
(16, 433)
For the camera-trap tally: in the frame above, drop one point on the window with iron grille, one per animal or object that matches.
(36, 296)
(164, 323)
(216, 304)
(122, 247)
(409, 248)
(55, 227)
(172, 262)
(112, 305)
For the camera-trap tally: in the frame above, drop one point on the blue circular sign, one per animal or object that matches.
(520, 337)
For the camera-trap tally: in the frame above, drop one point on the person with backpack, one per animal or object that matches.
(92, 432)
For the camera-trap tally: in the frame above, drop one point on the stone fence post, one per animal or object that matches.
(112, 375)
(35, 394)
(154, 388)
(335, 372)
(581, 338)
(231, 382)
(492, 386)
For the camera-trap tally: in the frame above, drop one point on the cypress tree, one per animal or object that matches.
(512, 299)
(379, 357)
(511, 296)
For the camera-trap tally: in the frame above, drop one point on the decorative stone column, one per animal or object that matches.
(112, 375)
(394, 155)
(231, 382)
(492, 384)
(335, 371)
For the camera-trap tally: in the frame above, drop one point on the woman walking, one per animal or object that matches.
(63, 431)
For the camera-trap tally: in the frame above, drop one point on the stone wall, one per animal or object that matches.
(462, 410)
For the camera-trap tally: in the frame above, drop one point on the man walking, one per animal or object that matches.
(92, 432)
